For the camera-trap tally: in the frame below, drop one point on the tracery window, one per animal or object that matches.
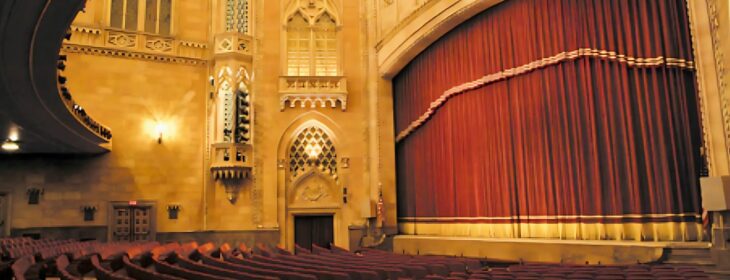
(156, 15)
(325, 46)
(124, 14)
(312, 46)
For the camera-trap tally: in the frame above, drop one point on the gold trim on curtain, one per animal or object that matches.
(542, 63)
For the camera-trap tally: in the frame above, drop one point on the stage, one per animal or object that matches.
(540, 250)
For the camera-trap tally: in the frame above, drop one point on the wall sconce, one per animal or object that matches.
(34, 195)
(172, 211)
(160, 129)
(89, 211)
(10, 146)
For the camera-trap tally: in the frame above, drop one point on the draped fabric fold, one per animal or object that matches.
(589, 143)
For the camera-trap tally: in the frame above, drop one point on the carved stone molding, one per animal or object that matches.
(313, 91)
(85, 29)
(701, 90)
(313, 193)
(90, 50)
(230, 173)
(313, 189)
(159, 44)
(713, 12)
(122, 43)
(420, 6)
(119, 39)
(231, 161)
(421, 28)
(191, 44)
(232, 43)
(312, 10)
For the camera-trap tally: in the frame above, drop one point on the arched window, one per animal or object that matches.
(312, 46)
(298, 46)
(124, 14)
(325, 46)
(157, 15)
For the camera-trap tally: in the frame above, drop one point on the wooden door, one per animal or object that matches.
(310, 230)
(122, 224)
(132, 223)
(141, 224)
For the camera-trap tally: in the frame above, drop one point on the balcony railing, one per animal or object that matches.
(231, 161)
(313, 91)
(77, 111)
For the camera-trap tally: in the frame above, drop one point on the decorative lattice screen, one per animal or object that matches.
(237, 16)
(313, 147)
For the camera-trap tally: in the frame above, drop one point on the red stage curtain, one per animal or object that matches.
(593, 139)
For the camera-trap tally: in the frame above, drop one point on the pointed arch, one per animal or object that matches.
(312, 10)
(313, 199)
(312, 118)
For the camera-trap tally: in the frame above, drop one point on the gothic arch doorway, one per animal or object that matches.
(310, 183)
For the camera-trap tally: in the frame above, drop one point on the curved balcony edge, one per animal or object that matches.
(32, 94)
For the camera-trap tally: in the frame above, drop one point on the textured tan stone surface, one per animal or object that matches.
(131, 95)
(127, 95)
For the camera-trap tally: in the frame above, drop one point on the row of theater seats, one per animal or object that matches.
(633, 272)
(150, 260)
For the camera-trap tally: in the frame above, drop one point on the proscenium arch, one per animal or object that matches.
(418, 31)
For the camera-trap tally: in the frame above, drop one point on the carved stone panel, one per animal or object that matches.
(313, 189)
(159, 44)
(119, 39)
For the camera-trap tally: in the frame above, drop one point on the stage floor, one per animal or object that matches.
(540, 250)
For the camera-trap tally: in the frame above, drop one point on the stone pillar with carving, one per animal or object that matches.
(232, 116)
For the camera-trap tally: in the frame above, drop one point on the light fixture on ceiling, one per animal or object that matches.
(10, 146)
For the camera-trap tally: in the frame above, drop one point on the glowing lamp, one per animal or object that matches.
(313, 151)
(160, 129)
(10, 146)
